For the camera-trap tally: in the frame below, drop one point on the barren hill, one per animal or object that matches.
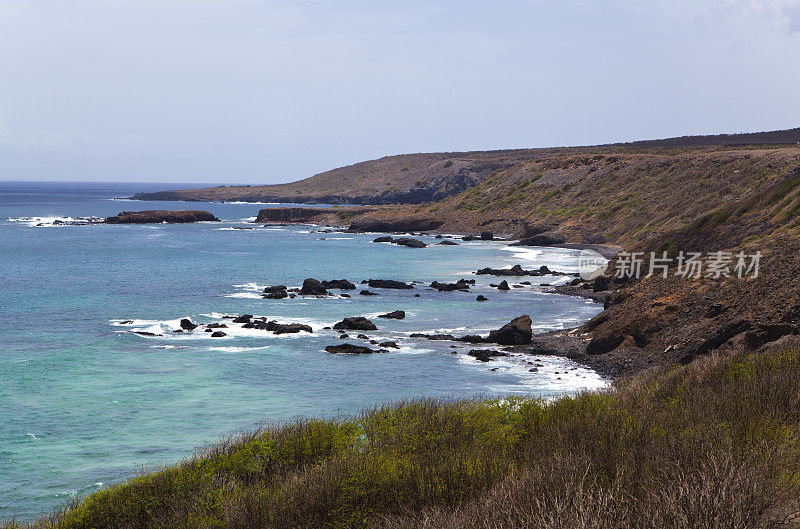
(429, 177)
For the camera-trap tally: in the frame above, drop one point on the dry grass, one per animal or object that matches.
(710, 445)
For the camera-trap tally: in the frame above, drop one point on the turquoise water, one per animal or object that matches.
(84, 402)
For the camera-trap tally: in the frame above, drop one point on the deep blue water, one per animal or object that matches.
(84, 402)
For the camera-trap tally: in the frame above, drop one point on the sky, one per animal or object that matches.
(269, 91)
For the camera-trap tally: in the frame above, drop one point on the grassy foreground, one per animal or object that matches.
(712, 444)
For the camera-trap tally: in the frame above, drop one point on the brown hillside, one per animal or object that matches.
(420, 178)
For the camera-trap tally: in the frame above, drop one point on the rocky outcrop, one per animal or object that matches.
(394, 315)
(187, 325)
(400, 225)
(516, 332)
(518, 271)
(450, 287)
(547, 238)
(348, 348)
(277, 328)
(312, 287)
(287, 214)
(402, 241)
(159, 216)
(486, 355)
(338, 284)
(388, 283)
(357, 323)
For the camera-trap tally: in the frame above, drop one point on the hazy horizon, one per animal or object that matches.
(258, 92)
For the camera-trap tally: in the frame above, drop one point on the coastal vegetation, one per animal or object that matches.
(710, 444)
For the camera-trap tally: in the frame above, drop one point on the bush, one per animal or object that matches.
(712, 444)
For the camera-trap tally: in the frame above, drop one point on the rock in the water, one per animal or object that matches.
(485, 355)
(218, 334)
(503, 285)
(278, 294)
(384, 238)
(433, 336)
(394, 315)
(409, 242)
(393, 345)
(481, 298)
(517, 270)
(449, 287)
(487, 236)
(159, 216)
(357, 323)
(368, 293)
(275, 288)
(187, 325)
(516, 332)
(340, 284)
(244, 318)
(447, 242)
(312, 287)
(287, 328)
(216, 326)
(388, 283)
(348, 348)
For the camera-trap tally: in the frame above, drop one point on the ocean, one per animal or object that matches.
(86, 402)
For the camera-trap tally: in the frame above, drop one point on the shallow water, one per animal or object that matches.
(84, 402)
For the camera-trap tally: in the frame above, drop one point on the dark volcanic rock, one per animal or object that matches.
(604, 343)
(357, 323)
(276, 288)
(487, 236)
(312, 287)
(188, 325)
(449, 287)
(341, 284)
(434, 336)
(216, 326)
(547, 238)
(348, 348)
(388, 283)
(600, 284)
(516, 332)
(472, 338)
(287, 214)
(393, 345)
(218, 334)
(481, 298)
(244, 318)
(159, 216)
(518, 271)
(287, 328)
(395, 315)
(503, 285)
(409, 242)
(278, 294)
(485, 355)
(448, 243)
(368, 293)
(384, 238)
(396, 225)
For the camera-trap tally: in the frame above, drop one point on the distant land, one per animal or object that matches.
(430, 177)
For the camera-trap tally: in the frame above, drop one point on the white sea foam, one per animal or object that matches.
(237, 349)
(55, 221)
(243, 295)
